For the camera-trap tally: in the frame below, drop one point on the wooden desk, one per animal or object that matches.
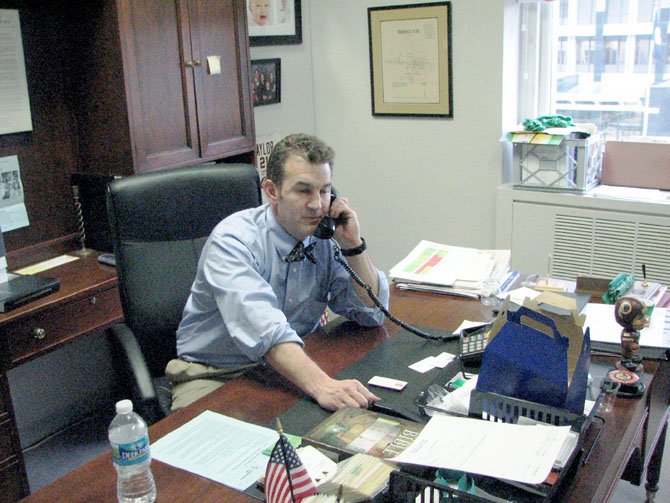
(87, 301)
(626, 428)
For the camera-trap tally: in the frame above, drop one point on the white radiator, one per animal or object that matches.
(604, 247)
(568, 235)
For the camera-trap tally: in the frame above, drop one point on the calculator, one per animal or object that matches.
(473, 342)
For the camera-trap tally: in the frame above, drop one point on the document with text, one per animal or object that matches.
(505, 451)
(219, 448)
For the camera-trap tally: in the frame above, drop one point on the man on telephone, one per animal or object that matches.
(264, 280)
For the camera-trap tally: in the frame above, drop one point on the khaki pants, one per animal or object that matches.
(191, 381)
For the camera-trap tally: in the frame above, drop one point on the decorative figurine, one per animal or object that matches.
(630, 313)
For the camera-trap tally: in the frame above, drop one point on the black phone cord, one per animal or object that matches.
(377, 302)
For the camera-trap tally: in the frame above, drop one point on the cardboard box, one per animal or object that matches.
(637, 164)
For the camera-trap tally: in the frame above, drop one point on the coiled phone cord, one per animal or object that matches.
(377, 302)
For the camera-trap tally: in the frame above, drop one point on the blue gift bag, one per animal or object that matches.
(528, 359)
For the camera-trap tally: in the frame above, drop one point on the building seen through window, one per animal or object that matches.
(612, 64)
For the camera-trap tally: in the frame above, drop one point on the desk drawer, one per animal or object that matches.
(32, 336)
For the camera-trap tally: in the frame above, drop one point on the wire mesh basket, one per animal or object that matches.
(405, 487)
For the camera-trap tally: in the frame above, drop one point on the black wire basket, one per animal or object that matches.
(410, 488)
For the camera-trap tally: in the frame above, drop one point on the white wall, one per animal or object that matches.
(408, 178)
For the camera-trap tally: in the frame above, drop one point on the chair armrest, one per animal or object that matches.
(136, 373)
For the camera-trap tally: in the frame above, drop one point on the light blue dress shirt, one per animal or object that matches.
(246, 298)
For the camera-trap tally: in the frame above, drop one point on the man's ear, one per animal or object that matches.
(270, 190)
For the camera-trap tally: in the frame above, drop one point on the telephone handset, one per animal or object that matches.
(326, 227)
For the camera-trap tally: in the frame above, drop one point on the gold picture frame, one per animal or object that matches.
(410, 60)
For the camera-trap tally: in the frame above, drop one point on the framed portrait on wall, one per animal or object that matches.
(265, 81)
(274, 22)
(410, 60)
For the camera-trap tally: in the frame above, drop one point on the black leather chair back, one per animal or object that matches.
(160, 222)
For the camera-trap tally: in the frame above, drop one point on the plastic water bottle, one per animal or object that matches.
(129, 438)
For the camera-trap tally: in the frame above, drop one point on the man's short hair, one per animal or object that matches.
(309, 147)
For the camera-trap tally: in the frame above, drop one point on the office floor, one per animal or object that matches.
(55, 457)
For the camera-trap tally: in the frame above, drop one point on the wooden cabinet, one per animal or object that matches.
(161, 84)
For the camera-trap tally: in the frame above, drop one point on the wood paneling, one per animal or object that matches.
(47, 155)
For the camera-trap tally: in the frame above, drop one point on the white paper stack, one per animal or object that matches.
(450, 269)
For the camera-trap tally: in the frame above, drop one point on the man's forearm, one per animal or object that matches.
(292, 362)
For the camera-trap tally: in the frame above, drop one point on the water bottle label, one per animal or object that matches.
(132, 453)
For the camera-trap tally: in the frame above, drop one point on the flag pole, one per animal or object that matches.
(283, 451)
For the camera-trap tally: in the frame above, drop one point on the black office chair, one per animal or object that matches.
(159, 224)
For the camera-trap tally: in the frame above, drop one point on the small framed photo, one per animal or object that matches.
(265, 81)
(410, 60)
(274, 22)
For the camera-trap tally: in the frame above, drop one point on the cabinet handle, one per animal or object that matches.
(188, 64)
(197, 62)
(94, 300)
(39, 333)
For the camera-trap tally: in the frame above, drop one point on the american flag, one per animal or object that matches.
(286, 478)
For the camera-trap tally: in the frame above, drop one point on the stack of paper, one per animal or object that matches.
(507, 451)
(604, 328)
(450, 269)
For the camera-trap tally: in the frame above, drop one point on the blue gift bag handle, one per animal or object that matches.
(540, 318)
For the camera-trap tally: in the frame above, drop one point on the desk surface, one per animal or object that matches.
(335, 349)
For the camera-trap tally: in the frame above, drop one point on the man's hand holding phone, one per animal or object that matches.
(347, 230)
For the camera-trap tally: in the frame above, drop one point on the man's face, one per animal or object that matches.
(260, 11)
(303, 198)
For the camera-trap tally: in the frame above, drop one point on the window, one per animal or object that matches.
(584, 56)
(608, 62)
(615, 54)
(616, 11)
(642, 52)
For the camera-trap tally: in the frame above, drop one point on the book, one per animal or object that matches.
(358, 478)
(352, 430)
(21, 289)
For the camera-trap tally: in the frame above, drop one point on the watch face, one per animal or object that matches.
(623, 376)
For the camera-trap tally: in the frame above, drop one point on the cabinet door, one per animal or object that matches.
(219, 33)
(155, 43)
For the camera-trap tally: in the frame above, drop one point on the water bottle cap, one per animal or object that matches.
(124, 406)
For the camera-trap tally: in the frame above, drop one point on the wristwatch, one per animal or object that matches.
(355, 251)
